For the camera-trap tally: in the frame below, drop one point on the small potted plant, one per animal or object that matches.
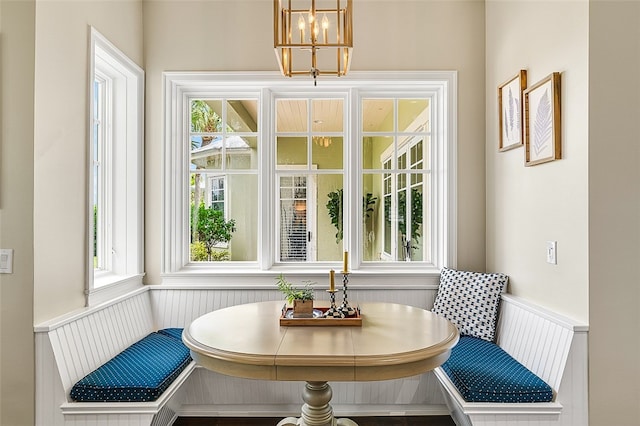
(300, 297)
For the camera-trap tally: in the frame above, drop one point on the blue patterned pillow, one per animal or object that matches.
(139, 373)
(483, 372)
(470, 300)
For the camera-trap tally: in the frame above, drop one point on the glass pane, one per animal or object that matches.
(291, 151)
(370, 213)
(329, 228)
(242, 116)
(377, 115)
(206, 116)
(375, 149)
(327, 115)
(223, 217)
(294, 245)
(401, 237)
(402, 161)
(387, 228)
(415, 241)
(412, 114)
(98, 142)
(291, 115)
(416, 155)
(206, 153)
(310, 218)
(376, 216)
(241, 152)
(326, 152)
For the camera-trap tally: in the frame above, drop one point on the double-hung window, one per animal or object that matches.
(264, 175)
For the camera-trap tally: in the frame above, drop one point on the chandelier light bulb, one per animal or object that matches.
(301, 25)
(325, 28)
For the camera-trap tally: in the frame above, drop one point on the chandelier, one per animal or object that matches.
(313, 37)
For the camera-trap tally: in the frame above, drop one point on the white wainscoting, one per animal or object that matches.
(177, 306)
(213, 394)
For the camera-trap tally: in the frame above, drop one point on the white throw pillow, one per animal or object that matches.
(470, 300)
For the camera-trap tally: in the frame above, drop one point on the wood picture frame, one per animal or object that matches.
(510, 111)
(542, 121)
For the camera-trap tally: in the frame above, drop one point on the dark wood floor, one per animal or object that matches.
(362, 421)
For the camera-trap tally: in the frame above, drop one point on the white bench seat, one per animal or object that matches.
(75, 345)
(551, 346)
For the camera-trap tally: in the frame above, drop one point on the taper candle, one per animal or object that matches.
(345, 262)
(332, 284)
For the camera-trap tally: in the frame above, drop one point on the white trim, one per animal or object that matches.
(181, 86)
(123, 200)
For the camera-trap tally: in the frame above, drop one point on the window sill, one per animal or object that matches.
(107, 286)
(246, 278)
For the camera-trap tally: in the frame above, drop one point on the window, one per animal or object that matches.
(223, 167)
(402, 174)
(301, 174)
(116, 170)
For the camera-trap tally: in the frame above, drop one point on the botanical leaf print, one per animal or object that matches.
(506, 128)
(542, 125)
(510, 110)
(516, 114)
(511, 119)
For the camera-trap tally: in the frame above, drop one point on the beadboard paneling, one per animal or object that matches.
(207, 387)
(82, 345)
(178, 307)
(537, 341)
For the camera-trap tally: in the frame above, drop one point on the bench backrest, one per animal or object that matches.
(88, 338)
(537, 338)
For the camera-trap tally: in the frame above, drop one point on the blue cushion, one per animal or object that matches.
(176, 333)
(484, 372)
(139, 373)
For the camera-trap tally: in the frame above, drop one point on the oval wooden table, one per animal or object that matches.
(248, 341)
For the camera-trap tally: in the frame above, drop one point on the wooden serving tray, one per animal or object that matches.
(355, 320)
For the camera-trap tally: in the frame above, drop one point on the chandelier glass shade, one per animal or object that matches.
(313, 37)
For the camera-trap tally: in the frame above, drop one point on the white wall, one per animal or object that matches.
(527, 206)
(16, 205)
(418, 35)
(614, 213)
(61, 142)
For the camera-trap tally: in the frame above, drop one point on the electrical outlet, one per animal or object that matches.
(552, 247)
(6, 261)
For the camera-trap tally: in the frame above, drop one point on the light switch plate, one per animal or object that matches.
(6, 261)
(552, 247)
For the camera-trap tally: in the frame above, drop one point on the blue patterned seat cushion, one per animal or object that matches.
(139, 373)
(483, 372)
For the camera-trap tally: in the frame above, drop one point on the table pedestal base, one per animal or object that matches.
(316, 410)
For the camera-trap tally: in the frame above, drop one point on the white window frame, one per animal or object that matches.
(121, 173)
(180, 87)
